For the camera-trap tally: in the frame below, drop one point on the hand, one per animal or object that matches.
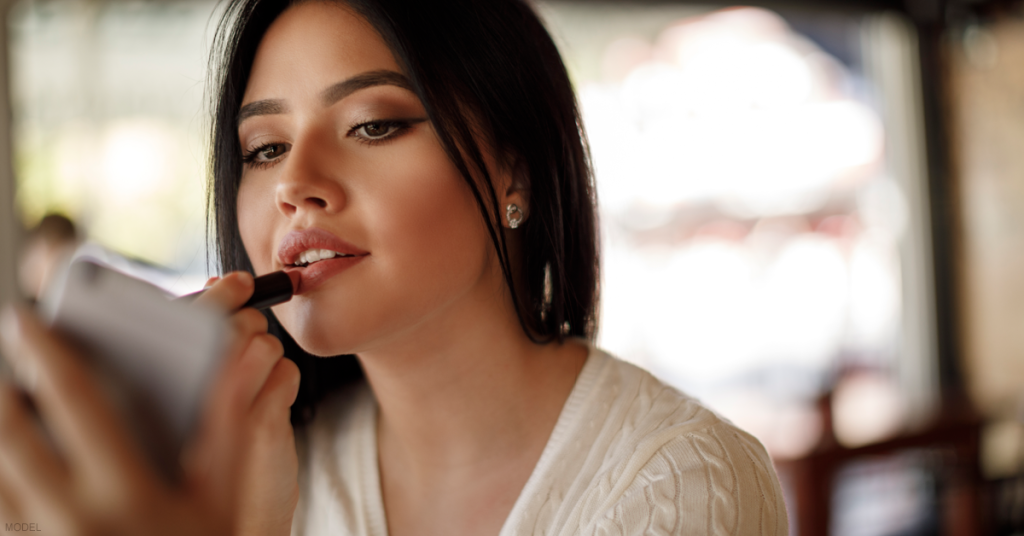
(95, 481)
(248, 416)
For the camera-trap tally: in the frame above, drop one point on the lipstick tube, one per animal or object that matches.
(271, 289)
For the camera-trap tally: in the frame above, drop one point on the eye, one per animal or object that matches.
(264, 155)
(270, 152)
(383, 131)
(376, 130)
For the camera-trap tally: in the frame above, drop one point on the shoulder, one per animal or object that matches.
(648, 414)
(714, 479)
(670, 465)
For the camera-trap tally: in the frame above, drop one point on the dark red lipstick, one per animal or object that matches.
(313, 273)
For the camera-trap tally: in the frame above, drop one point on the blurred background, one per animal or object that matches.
(812, 217)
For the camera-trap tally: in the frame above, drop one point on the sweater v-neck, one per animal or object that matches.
(574, 405)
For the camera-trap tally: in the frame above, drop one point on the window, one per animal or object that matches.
(763, 236)
(109, 126)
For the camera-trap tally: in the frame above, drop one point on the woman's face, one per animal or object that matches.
(340, 158)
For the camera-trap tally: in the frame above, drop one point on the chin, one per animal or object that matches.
(321, 350)
(318, 343)
(321, 339)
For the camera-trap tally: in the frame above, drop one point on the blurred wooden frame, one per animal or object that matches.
(953, 440)
(11, 230)
(986, 114)
(10, 226)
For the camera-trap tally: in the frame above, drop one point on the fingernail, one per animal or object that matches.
(245, 278)
(210, 282)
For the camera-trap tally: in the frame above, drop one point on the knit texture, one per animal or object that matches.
(628, 455)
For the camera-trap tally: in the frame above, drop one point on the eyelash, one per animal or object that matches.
(400, 127)
(249, 157)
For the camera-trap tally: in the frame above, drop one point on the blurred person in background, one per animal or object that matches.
(51, 240)
(421, 167)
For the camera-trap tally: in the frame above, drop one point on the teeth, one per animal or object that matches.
(312, 255)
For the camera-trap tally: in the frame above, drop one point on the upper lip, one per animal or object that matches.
(296, 242)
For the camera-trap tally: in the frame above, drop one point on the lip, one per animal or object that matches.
(314, 275)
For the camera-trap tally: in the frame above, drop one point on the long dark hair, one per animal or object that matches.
(488, 64)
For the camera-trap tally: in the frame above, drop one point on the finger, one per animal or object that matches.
(248, 322)
(241, 379)
(229, 293)
(216, 453)
(100, 454)
(255, 367)
(27, 463)
(269, 424)
(244, 325)
(232, 391)
(269, 489)
(274, 401)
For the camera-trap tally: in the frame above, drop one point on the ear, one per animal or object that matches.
(517, 192)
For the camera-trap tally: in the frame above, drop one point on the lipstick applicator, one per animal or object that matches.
(270, 290)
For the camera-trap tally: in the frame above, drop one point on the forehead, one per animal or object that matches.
(311, 46)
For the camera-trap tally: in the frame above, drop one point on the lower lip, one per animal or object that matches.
(316, 274)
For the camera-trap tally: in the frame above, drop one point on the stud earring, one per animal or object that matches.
(513, 222)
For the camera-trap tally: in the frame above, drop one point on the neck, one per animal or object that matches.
(455, 399)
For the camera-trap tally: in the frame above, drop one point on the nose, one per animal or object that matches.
(306, 183)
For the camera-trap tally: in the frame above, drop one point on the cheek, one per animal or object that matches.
(255, 223)
(432, 227)
(430, 250)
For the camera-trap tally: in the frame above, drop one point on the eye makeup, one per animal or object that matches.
(393, 128)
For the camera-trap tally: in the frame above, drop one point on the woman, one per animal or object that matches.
(421, 167)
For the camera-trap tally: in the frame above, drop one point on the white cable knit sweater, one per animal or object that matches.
(628, 455)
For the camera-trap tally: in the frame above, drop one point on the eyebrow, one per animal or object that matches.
(345, 88)
(263, 107)
(330, 95)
